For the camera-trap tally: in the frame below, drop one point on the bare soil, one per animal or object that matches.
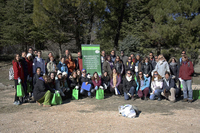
(91, 115)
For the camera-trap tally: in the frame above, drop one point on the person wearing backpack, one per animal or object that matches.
(185, 77)
(18, 76)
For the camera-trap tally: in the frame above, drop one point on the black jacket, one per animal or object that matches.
(35, 78)
(171, 84)
(25, 67)
(174, 70)
(105, 80)
(74, 82)
(40, 89)
(85, 79)
(128, 84)
(146, 69)
(119, 67)
(130, 66)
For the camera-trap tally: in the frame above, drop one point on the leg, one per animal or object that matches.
(146, 91)
(16, 83)
(47, 98)
(158, 93)
(112, 90)
(140, 94)
(120, 89)
(172, 96)
(190, 92)
(184, 89)
(82, 91)
(96, 87)
(132, 91)
(152, 97)
(126, 97)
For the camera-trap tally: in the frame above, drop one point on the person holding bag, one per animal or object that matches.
(129, 85)
(59, 83)
(42, 92)
(18, 76)
(105, 80)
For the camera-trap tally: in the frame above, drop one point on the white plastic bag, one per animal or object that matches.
(127, 111)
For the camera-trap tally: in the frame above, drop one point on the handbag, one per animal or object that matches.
(75, 94)
(20, 91)
(99, 94)
(57, 99)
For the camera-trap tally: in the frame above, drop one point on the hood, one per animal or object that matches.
(41, 78)
(170, 60)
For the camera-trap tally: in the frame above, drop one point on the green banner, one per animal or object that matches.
(91, 58)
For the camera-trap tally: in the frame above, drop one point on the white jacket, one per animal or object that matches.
(156, 84)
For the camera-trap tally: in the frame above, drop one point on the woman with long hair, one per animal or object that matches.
(70, 64)
(59, 83)
(18, 76)
(115, 81)
(119, 65)
(156, 86)
(96, 80)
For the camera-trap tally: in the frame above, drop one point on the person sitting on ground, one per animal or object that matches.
(42, 92)
(173, 65)
(39, 62)
(129, 85)
(162, 66)
(105, 81)
(52, 82)
(78, 73)
(62, 66)
(70, 64)
(96, 80)
(170, 89)
(156, 86)
(51, 66)
(18, 76)
(115, 80)
(142, 86)
(74, 81)
(119, 65)
(185, 77)
(59, 83)
(130, 65)
(87, 81)
(37, 75)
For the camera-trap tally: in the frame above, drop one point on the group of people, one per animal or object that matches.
(130, 76)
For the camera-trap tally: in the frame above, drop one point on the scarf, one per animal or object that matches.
(129, 78)
(173, 64)
(114, 79)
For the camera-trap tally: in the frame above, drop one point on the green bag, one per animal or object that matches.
(29, 87)
(57, 99)
(20, 91)
(75, 94)
(196, 94)
(100, 94)
(181, 86)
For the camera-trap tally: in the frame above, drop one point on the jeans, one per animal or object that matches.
(131, 91)
(156, 93)
(187, 87)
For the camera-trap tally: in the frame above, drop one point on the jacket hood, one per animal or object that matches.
(41, 78)
(170, 60)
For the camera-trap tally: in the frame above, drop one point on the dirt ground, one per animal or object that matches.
(91, 115)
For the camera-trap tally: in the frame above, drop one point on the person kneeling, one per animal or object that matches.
(84, 79)
(129, 85)
(42, 92)
(156, 86)
(170, 89)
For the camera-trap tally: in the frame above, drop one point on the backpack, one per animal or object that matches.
(11, 74)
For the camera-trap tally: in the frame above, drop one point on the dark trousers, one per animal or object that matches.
(16, 83)
(145, 92)
(120, 88)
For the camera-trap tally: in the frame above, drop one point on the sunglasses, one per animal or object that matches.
(83, 72)
(182, 53)
(140, 74)
(128, 73)
(155, 74)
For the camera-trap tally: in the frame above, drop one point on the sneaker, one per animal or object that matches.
(185, 100)
(190, 101)
(159, 99)
(15, 103)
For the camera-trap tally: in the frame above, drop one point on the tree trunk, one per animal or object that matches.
(120, 20)
(158, 49)
(60, 50)
(91, 23)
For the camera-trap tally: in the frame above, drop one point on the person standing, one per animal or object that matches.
(30, 50)
(138, 64)
(18, 76)
(155, 62)
(173, 65)
(130, 65)
(108, 65)
(123, 58)
(70, 64)
(151, 58)
(103, 59)
(66, 54)
(25, 69)
(147, 68)
(133, 57)
(62, 66)
(51, 66)
(39, 62)
(119, 65)
(79, 62)
(185, 76)
(112, 56)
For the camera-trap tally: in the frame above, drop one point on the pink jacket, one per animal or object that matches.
(98, 83)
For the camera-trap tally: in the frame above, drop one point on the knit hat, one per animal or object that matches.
(29, 54)
(59, 72)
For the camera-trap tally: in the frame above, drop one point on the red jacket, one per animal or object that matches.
(80, 64)
(30, 67)
(186, 71)
(96, 84)
(18, 70)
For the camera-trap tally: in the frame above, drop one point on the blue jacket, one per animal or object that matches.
(146, 84)
(62, 67)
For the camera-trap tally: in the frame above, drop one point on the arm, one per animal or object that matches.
(146, 82)
(122, 69)
(111, 82)
(59, 67)
(167, 67)
(124, 86)
(191, 71)
(150, 69)
(34, 66)
(15, 69)
(118, 80)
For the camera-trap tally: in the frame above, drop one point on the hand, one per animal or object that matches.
(153, 92)
(180, 79)
(86, 83)
(140, 89)
(101, 87)
(57, 91)
(76, 87)
(19, 80)
(147, 75)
